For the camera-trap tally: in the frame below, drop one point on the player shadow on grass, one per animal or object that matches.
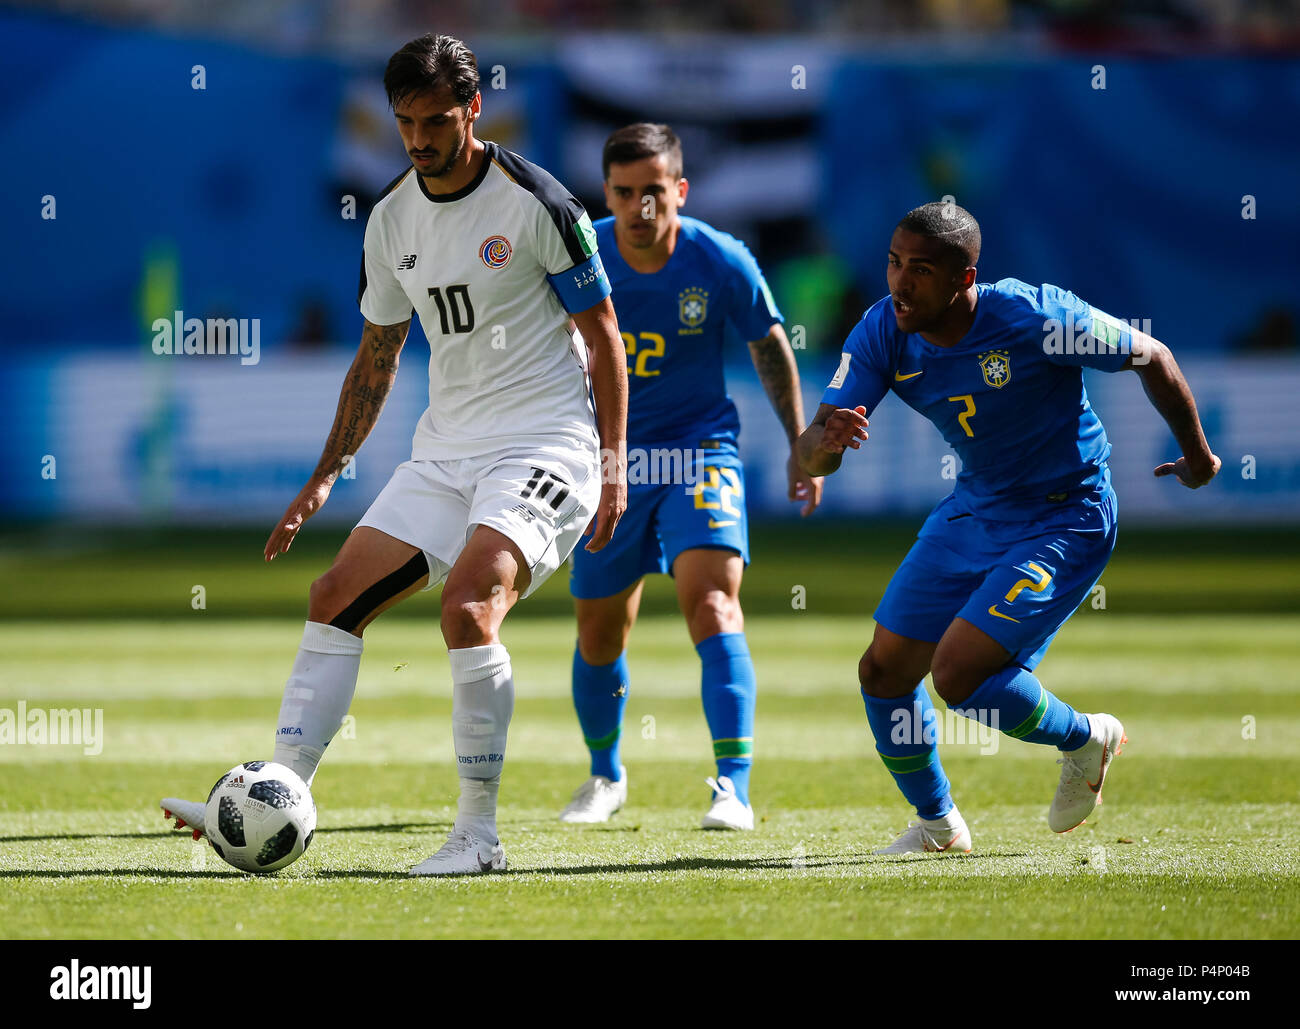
(225, 872)
(391, 827)
(775, 863)
(682, 864)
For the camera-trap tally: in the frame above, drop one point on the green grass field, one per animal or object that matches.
(1199, 836)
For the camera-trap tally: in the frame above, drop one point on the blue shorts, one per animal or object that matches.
(704, 508)
(1016, 581)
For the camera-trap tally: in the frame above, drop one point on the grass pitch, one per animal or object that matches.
(1198, 837)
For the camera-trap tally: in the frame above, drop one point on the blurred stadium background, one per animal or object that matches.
(1169, 195)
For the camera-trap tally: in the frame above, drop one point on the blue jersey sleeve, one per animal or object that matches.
(862, 379)
(1076, 333)
(750, 307)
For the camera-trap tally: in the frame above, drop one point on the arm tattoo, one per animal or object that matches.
(364, 391)
(385, 342)
(774, 362)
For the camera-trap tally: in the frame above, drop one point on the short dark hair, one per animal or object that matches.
(430, 63)
(953, 226)
(639, 141)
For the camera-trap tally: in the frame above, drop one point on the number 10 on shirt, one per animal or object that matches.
(458, 303)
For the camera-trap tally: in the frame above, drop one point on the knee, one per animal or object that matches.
(871, 675)
(954, 680)
(882, 678)
(466, 622)
(713, 611)
(600, 644)
(325, 599)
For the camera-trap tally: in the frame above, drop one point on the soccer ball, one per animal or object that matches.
(260, 816)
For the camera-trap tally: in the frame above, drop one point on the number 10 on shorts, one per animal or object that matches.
(547, 486)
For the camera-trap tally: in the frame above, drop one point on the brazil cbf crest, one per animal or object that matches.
(996, 366)
(495, 251)
(693, 307)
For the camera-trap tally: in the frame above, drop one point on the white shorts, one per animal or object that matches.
(541, 499)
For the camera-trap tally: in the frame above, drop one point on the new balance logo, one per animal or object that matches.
(548, 487)
(406, 263)
(523, 511)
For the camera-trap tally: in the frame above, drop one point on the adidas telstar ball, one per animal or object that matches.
(260, 816)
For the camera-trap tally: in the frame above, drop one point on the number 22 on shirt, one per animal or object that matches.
(652, 346)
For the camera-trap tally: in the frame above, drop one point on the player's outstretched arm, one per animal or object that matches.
(599, 328)
(774, 361)
(1172, 397)
(821, 447)
(365, 389)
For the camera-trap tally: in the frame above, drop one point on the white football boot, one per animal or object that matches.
(946, 835)
(1082, 773)
(464, 854)
(727, 811)
(188, 814)
(596, 799)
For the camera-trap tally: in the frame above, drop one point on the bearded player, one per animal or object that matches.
(505, 474)
(1003, 561)
(678, 284)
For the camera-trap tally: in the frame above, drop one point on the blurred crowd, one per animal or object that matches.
(364, 26)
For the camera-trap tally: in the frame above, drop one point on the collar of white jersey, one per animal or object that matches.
(469, 187)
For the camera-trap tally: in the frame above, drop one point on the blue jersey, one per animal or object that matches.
(1008, 397)
(673, 325)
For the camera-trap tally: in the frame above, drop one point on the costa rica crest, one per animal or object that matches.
(693, 306)
(996, 367)
(495, 251)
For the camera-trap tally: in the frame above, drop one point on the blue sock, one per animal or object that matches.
(906, 730)
(729, 689)
(600, 694)
(1015, 702)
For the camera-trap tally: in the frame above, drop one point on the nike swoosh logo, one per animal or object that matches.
(1105, 760)
(899, 377)
(994, 611)
(720, 525)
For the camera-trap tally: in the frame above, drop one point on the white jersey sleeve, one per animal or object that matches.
(380, 296)
(563, 237)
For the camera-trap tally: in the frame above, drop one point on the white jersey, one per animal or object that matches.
(486, 269)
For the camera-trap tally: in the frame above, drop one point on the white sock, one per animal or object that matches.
(482, 702)
(477, 807)
(316, 697)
